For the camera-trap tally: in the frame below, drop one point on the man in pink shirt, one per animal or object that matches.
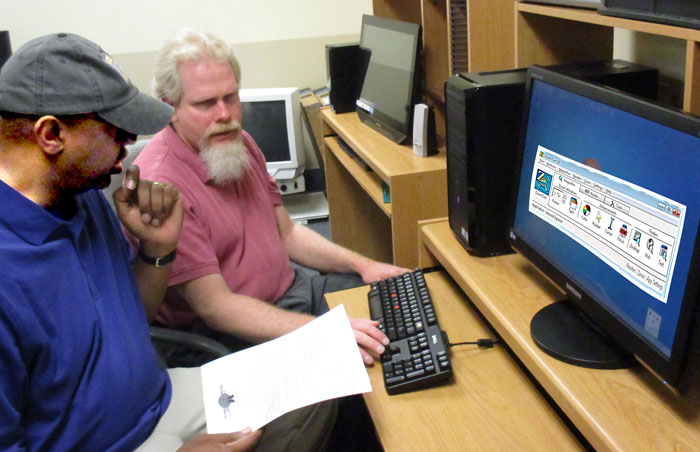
(233, 259)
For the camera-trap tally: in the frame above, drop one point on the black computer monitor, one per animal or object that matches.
(608, 207)
(392, 83)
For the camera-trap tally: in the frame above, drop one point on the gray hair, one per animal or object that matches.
(188, 45)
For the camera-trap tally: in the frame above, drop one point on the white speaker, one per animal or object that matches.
(424, 143)
(420, 130)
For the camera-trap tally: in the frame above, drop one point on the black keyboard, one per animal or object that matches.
(417, 356)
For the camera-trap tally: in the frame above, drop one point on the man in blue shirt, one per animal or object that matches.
(77, 370)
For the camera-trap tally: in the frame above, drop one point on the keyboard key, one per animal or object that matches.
(394, 380)
(416, 374)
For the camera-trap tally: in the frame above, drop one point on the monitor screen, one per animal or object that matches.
(608, 207)
(272, 116)
(391, 86)
(266, 121)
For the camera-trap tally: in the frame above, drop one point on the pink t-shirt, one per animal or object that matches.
(231, 230)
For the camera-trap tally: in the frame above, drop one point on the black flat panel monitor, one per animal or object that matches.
(608, 207)
(392, 82)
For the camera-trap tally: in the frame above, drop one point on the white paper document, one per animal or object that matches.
(316, 362)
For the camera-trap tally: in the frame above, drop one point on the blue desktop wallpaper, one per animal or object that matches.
(628, 147)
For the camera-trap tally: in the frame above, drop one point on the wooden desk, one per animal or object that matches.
(359, 217)
(616, 410)
(490, 405)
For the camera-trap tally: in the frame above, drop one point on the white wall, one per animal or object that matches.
(133, 30)
(128, 26)
(279, 42)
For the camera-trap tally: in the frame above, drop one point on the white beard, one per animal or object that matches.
(226, 162)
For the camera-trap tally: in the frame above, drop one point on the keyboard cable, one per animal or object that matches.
(481, 343)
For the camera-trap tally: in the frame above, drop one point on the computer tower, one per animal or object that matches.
(483, 121)
(629, 77)
(483, 113)
(346, 65)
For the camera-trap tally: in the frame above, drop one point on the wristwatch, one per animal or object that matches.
(158, 261)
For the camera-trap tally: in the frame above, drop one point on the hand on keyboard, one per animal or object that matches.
(370, 339)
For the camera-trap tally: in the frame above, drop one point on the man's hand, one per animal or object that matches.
(223, 442)
(151, 211)
(373, 271)
(369, 338)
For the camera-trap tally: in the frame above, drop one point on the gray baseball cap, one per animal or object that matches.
(65, 74)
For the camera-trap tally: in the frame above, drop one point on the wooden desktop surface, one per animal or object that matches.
(490, 404)
(616, 410)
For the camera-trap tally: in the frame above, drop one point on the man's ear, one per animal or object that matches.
(48, 134)
(172, 104)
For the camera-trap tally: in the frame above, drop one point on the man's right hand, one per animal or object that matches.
(370, 339)
(223, 442)
(151, 211)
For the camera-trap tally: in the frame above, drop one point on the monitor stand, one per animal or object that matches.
(563, 332)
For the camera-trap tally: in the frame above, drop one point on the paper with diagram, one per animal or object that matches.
(316, 362)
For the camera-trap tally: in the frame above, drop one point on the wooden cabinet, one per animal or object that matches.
(360, 217)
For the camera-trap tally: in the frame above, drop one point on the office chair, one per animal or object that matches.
(175, 348)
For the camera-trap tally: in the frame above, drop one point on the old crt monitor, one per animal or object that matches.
(393, 80)
(272, 116)
(608, 207)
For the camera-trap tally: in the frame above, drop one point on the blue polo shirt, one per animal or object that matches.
(77, 369)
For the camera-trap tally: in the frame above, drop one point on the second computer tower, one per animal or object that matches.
(483, 121)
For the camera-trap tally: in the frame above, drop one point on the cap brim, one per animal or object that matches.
(142, 115)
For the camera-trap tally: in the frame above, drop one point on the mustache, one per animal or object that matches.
(232, 126)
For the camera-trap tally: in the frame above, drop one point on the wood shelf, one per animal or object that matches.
(369, 181)
(385, 157)
(557, 34)
(592, 17)
(616, 410)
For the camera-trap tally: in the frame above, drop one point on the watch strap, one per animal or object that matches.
(158, 261)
